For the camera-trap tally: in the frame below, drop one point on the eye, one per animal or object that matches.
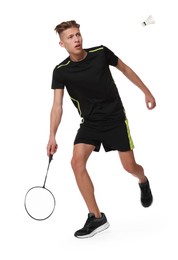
(70, 37)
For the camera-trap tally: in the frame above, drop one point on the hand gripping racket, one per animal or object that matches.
(39, 201)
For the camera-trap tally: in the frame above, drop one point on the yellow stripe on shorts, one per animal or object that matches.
(129, 135)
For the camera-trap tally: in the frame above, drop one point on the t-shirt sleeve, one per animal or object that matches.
(111, 58)
(57, 81)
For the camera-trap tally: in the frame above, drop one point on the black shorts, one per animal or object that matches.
(112, 137)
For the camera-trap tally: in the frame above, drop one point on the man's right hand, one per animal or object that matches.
(52, 146)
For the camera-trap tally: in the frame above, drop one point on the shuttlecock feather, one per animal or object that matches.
(149, 20)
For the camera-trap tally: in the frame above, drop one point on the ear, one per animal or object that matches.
(61, 43)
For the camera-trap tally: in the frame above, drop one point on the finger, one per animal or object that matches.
(48, 150)
(54, 149)
(151, 105)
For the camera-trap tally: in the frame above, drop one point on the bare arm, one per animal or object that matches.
(132, 76)
(55, 119)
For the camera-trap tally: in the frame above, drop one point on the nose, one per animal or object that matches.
(76, 38)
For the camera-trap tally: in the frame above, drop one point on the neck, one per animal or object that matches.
(79, 57)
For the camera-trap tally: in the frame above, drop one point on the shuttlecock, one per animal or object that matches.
(149, 20)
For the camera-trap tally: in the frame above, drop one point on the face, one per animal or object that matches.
(71, 40)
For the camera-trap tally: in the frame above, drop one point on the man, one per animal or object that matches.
(88, 80)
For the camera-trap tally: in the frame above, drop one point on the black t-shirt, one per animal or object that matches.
(90, 84)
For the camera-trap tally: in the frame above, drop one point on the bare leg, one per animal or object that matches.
(130, 165)
(81, 154)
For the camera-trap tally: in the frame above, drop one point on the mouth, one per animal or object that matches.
(78, 46)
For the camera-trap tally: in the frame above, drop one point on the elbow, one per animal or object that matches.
(60, 111)
(57, 109)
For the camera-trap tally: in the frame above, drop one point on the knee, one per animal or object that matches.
(77, 164)
(74, 163)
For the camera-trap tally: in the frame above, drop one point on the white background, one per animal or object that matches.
(29, 51)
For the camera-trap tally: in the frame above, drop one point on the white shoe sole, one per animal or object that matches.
(97, 230)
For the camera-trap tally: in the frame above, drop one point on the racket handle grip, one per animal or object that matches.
(50, 158)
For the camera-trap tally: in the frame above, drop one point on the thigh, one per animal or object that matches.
(82, 151)
(127, 158)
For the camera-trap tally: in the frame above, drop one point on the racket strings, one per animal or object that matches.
(39, 203)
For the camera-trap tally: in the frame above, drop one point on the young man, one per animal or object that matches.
(88, 80)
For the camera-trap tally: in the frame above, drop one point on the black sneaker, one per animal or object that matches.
(146, 195)
(92, 226)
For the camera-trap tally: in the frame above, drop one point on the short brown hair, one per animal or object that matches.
(66, 25)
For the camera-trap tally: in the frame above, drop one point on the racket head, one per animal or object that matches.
(39, 203)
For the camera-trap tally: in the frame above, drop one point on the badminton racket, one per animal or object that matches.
(39, 201)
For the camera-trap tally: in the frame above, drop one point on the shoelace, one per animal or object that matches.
(88, 222)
